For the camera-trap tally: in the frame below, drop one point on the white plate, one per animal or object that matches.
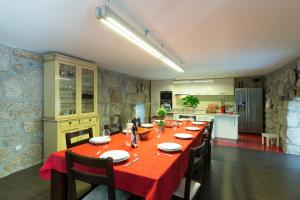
(158, 120)
(147, 125)
(116, 155)
(198, 123)
(100, 140)
(192, 128)
(183, 135)
(185, 119)
(169, 146)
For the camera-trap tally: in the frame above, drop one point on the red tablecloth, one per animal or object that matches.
(153, 176)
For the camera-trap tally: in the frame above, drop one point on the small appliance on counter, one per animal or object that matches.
(167, 106)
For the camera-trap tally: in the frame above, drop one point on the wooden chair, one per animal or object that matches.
(113, 132)
(208, 146)
(187, 117)
(69, 137)
(103, 185)
(191, 185)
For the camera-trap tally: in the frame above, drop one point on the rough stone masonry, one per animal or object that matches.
(282, 89)
(21, 105)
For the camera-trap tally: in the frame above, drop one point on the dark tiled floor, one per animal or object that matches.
(236, 174)
(242, 174)
(24, 185)
(247, 141)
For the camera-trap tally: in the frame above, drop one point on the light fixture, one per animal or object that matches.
(194, 81)
(115, 22)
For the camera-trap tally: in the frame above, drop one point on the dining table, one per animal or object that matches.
(155, 175)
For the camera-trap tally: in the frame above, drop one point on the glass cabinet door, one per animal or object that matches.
(67, 89)
(87, 95)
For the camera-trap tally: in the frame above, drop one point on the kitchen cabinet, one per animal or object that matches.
(70, 99)
(218, 87)
(156, 88)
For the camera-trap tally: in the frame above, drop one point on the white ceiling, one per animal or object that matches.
(216, 38)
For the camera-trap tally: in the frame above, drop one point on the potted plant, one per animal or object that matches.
(161, 114)
(191, 101)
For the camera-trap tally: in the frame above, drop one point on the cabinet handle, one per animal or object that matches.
(70, 123)
(90, 119)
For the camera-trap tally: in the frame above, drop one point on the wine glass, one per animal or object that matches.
(158, 131)
(135, 143)
(174, 127)
(106, 133)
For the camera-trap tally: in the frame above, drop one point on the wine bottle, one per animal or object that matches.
(133, 135)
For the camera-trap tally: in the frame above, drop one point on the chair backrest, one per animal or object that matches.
(71, 135)
(196, 167)
(208, 130)
(73, 173)
(211, 125)
(114, 132)
(187, 117)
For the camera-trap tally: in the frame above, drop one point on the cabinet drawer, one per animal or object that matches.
(69, 124)
(89, 120)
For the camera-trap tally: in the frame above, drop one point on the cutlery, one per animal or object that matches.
(158, 153)
(136, 159)
(96, 154)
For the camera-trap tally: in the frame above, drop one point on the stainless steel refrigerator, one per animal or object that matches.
(249, 105)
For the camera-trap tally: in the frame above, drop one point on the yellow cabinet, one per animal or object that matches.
(70, 99)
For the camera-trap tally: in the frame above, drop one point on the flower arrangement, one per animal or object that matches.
(161, 114)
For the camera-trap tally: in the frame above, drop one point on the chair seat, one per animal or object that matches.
(100, 193)
(195, 186)
(270, 135)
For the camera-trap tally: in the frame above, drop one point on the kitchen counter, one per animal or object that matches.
(225, 126)
(226, 115)
(200, 116)
(199, 113)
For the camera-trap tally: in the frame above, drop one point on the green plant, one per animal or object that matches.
(190, 101)
(161, 113)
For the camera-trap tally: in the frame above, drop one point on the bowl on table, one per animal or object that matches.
(172, 124)
(144, 132)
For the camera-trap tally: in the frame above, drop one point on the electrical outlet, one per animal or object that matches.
(18, 147)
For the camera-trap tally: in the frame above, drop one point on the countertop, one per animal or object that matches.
(202, 113)
(226, 115)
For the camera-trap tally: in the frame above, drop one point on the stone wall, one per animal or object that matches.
(21, 105)
(282, 112)
(21, 109)
(118, 94)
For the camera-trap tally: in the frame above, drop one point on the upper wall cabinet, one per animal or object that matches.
(70, 87)
(157, 87)
(218, 87)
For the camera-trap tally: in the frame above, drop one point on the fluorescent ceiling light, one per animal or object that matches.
(204, 81)
(115, 22)
(195, 81)
(182, 82)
